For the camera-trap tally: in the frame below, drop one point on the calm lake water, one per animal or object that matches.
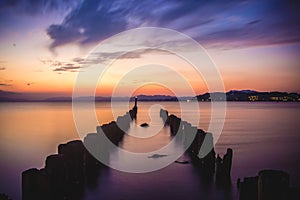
(262, 135)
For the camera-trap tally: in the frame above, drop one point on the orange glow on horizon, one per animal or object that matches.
(153, 89)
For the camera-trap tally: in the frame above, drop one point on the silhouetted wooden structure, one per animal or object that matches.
(65, 174)
(199, 145)
(268, 185)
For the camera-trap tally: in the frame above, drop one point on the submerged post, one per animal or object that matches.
(135, 101)
(133, 111)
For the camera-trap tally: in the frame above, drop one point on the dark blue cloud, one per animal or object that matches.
(258, 23)
(18, 15)
(91, 21)
(213, 23)
(33, 7)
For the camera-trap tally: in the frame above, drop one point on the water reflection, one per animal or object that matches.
(31, 131)
(67, 174)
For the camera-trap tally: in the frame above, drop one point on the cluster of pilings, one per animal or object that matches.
(115, 130)
(65, 174)
(268, 185)
(61, 178)
(199, 145)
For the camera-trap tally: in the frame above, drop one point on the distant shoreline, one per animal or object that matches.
(233, 95)
(44, 101)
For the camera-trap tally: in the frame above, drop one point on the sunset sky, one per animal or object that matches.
(43, 44)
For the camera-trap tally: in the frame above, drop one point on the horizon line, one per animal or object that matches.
(8, 96)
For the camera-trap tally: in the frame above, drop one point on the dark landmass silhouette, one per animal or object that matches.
(249, 95)
(233, 95)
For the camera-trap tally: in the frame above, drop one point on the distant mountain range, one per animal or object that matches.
(233, 95)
